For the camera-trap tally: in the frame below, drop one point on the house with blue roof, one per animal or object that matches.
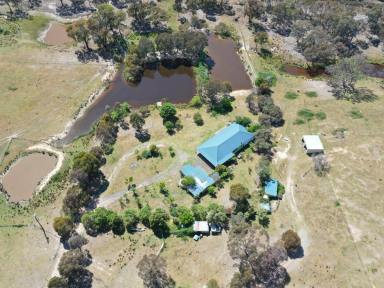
(202, 179)
(271, 188)
(224, 144)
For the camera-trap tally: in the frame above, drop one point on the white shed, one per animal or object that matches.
(201, 227)
(312, 144)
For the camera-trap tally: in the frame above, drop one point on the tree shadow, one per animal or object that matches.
(297, 253)
(86, 56)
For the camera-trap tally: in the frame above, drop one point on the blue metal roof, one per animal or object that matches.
(270, 188)
(266, 207)
(203, 180)
(221, 147)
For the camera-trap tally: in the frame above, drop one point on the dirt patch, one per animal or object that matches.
(23, 177)
(321, 87)
(56, 34)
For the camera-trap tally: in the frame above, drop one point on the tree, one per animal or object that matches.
(148, 17)
(158, 222)
(216, 215)
(131, 218)
(185, 216)
(291, 241)
(198, 119)
(254, 9)
(188, 181)
(168, 112)
(78, 4)
(58, 282)
(318, 48)
(177, 6)
(253, 106)
(63, 226)
(223, 30)
(344, 76)
(106, 130)
(117, 225)
(74, 200)
(137, 122)
(71, 259)
(376, 20)
(321, 165)
(105, 25)
(85, 166)
(199, 212)
(76, 241)
(263, 141)
(98, 221)
(15, 3)
(265, 80)
(145, 215)
(264, 170)
(153, 271)
(240, 195)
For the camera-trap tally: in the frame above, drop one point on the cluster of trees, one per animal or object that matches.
(73, 271)
(170, 120)
(16, 8)
(104, 27)
(215, 95)
(208, 6)
(147, 17)
(324, 30)
(260, 262)
(169, 49)
(137, 121)
(376, 22)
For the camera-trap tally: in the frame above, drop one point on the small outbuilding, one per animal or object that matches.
(202, 179)
(215, 228)
(312, 144)
(271, 188)
(201, 227)
(266, 207)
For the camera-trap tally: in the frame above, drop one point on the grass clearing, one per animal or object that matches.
(320, 115)
(306, 114)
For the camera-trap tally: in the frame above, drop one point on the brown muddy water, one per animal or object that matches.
(174, 85)
(21, 180)
(56, 35)
(227, 65)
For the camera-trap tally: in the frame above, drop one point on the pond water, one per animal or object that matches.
(227, 64)
(21, 180)
(56, 35)
(175, 85)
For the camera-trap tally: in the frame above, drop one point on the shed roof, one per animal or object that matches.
(202, 179)
(221, 147)
(266, 207)
(313, 142)
(270, 188)
(201, 226)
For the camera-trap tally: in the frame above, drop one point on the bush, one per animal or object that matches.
(211, 191)
(306, 114)
(185, 216)
(158, 222)
(311, 94)
(183, 232)
(291, 95)
(291, 241)
(224, 172)
(298, 121)
(243, 121)
(198, 119)
(168, 111)
(170, 126)
(320, 115)
(98, 221)
(263, 218)
(172, 152)
(265, 80)
(253, 128)
(188, 181)
(199, 212)
(58, 282)
(63, 226)
(212, 284)
(196, 102)
(145, 214)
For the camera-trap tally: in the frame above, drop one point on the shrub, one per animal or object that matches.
(243, 121)
(196, 102)
(291, 241)
(98, 221)
(298, 121)
(254, 127)
(185, 216)
(306, 114)
(172, 152)
(183, 232)
(170, 126)
(211, 191)
(224, 172)
(158, 222)
(58, 282)
(168, 111)
(188, 181)
(356, 114)
(291, 95)
(265, 80)
(145, 215)
(223, 30)
(199, 212)
(311, 94)
(212, 284)
(320, 115)
(198, 119)
(263, 218)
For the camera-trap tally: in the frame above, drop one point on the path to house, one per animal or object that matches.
(172, 169)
